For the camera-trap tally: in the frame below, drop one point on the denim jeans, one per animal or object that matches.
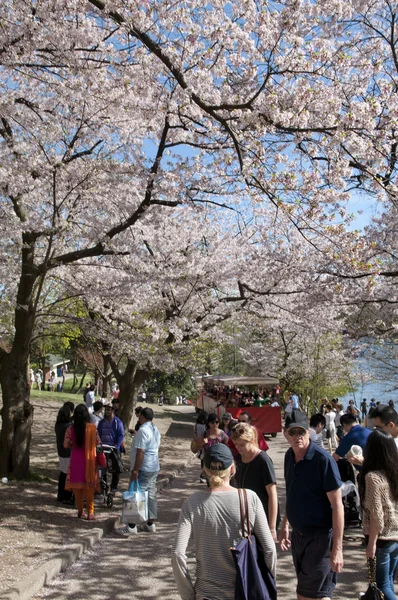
(386, 562)
(147, 481)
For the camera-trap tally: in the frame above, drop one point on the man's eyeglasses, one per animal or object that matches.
(293, 432)
(381, 427)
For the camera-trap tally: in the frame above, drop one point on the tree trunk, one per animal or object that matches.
(107, 376)
(129, 383)
(17, 417)
(81, 381)
(17, 412)
(74, 384)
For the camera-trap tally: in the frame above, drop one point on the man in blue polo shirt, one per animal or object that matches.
(355, 435)
(314, 510)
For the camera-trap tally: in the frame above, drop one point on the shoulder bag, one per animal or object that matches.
(115, 464)
(373, 592)
(194, 442)
(254, 581)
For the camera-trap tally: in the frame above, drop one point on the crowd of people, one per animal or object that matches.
(233, 396)
(233, 456)
(82, 432)
(51, 380)
(313, 518)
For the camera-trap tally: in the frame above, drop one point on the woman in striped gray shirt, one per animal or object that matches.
(212, 519)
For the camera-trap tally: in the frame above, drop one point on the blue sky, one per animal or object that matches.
(364, 207)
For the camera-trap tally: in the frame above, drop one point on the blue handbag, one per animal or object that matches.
(254, 581)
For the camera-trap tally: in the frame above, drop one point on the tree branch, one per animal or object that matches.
(100, 249)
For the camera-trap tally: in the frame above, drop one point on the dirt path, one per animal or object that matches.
(139, 567)
(34, 525)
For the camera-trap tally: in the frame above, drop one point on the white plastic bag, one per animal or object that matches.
(134, 504)
(349, 487)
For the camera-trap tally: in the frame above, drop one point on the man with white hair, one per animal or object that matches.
(314, 511)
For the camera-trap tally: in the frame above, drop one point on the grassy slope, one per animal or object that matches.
(60, 396)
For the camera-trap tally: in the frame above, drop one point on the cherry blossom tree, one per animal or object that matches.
(91, 176)
(122, 120)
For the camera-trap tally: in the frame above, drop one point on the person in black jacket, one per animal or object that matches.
(64, 420)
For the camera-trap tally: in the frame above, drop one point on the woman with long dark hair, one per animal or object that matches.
(378, 490)
(210, 434)
(64, 420)
(200, 426)
(82, 476)
(214, 435)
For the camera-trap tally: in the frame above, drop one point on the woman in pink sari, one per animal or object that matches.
(82, 476)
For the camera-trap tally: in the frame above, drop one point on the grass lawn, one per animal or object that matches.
(65, 394)
(61, 396)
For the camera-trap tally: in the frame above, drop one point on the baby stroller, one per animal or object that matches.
(349, 491)
(114, 464)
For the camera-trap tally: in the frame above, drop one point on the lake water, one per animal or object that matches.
(380, 391)
(374, 384)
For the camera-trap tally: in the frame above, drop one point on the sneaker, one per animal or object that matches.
(114, 491)
(202, 479)
(151, 528)
(126, 531)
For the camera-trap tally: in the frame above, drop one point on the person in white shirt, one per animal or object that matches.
(38, 380)
(317, 425)
(289, 407)
(330, 416)
(339, 427)
(98, 413)
(90, 398)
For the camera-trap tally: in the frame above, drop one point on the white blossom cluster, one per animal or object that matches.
(169, 163)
